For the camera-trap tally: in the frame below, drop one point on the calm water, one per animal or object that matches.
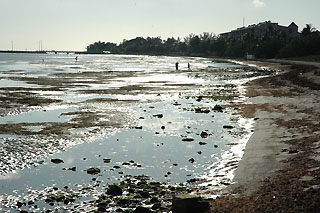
(153, 105)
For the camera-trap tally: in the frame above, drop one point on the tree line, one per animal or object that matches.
(272, 44)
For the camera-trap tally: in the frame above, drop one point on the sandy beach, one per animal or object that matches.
(279, 171)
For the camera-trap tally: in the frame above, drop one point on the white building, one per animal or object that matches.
(258, 30)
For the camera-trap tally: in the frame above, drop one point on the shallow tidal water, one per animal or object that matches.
(126, 115)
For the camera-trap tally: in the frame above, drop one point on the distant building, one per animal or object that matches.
(258, 30)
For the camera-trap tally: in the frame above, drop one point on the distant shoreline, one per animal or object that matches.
(45, 52)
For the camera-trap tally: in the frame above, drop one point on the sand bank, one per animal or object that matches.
(280, 167)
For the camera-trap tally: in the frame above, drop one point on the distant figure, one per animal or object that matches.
(177, 66)
(188, 66)
(76, 58)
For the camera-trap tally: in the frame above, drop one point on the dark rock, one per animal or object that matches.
(72, 169)
(158, 115)
(144, 194)
(293, 151)
(138, 127)
(154, 200)
(217, 108)
(163, 127)
(114, 190)
(187, 139)
(193, 180)
(30, 203)
(189, 204)
(156, 206)
(228, 127)
(191, 160)
(199, 98)
(102, 209)
(198, 110)
(204, 134)
(215, 146)
(125, 164)
(93, 171)
(19, 204)
(106, 160)
(123, 202)
(141, 209)
(202, 143)
(199, 152)
(57, 161)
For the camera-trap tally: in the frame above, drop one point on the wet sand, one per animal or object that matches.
(280, 167)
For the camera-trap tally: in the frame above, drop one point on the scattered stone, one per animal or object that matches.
(202, 143)
(106, 160)
(144, 194)
(154, 200)
(199, 152)
(93, 171)
(189, 203)
(19, 204)
(293, 150)
(187, 139)
(199, 98)
(102, 209)
(156, 206)
(217, 108)
(158, 115)
(141, 209)
(163, 127)
(204, 134)
(228, 127)
(114, 190)
(71, 169)
(199, 110)
(138, 127)
(191, 160)
(57, 161)
(215, 146)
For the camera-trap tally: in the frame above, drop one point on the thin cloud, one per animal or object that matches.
(258, 3)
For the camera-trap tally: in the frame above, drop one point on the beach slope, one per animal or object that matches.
(280, 169)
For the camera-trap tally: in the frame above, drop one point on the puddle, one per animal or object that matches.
(44, 116)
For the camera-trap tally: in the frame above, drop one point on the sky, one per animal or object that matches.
(74, 24)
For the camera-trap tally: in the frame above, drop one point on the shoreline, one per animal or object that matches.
(271, 175)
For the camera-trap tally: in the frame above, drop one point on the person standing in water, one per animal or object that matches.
(177, 66)
(76, 58)
(188, 66)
